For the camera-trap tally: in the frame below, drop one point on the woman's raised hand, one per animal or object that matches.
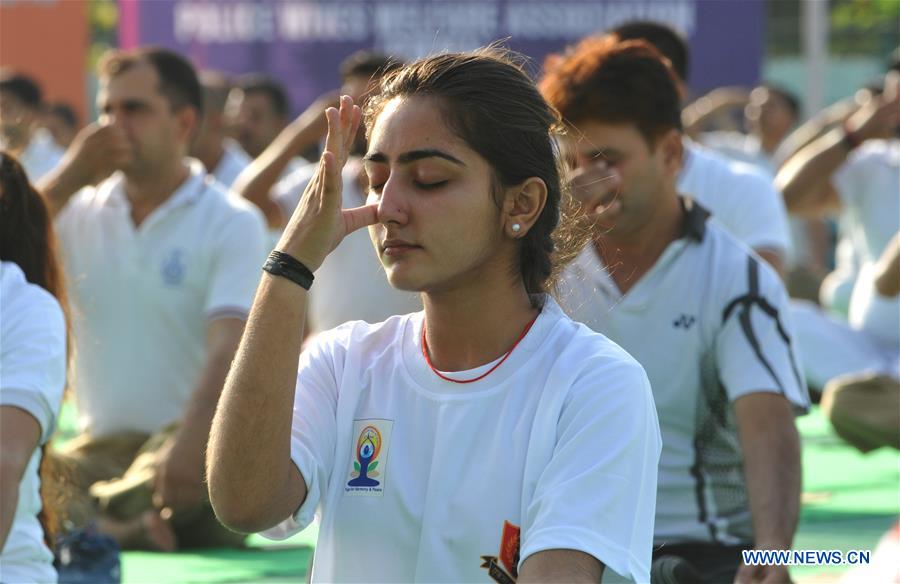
(318, 224)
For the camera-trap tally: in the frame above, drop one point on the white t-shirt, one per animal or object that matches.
(869, 187)
(829, 347)
(741, 198)
(745, 148)
(873, 313)
(142, 297)
(234, 160)
(32, 377)
(351, 283)
(414, 477)
(710, 323)
(41, 156)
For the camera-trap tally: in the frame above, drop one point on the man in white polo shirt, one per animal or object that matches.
(162, 265)
(740, 197)
(702, 313)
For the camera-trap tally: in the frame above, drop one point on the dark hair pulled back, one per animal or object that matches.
(489, 101)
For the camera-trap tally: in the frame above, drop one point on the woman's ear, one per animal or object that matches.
(523, 205)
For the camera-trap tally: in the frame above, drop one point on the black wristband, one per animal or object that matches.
(286, 266)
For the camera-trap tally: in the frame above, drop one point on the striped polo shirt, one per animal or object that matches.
(709, 323)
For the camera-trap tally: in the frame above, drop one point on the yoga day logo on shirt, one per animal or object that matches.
(369, 457)
(507, 570)
(173, 268)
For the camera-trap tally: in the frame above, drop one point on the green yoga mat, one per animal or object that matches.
(850, 501)
(262, 561)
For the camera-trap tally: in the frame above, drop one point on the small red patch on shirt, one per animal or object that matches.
(507, 570)
(509, 548)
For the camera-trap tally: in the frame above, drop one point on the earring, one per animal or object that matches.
(516, 227)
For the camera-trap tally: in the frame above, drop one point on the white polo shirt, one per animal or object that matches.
(143, 297)
(741, 198)
(709, 323)
(41, 156)
(351, 283)
(234, 160)
(420, 479)
(32, 378)
(739, 146)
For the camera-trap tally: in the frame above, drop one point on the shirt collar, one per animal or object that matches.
(694, 219)
(112, 190)
(588, 266)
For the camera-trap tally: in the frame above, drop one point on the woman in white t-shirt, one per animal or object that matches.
(32, 374)
(488, 437)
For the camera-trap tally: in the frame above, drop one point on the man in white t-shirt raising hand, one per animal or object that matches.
(853, 170)
(702, 313)
(163, 265)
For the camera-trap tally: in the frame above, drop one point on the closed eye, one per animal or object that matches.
(419, 185)
(430, 186)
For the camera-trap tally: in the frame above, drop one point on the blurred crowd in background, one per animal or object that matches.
(154, 315)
